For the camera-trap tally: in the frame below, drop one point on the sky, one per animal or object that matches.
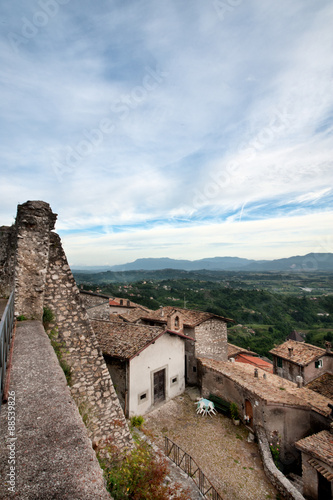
(170, 128)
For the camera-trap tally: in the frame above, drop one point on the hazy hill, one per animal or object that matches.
(310, 262)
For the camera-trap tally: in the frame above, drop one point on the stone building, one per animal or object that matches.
(276, 404)
(146, 363)
(96, 304)
(293, 359)
(208, 330)
(317, 465)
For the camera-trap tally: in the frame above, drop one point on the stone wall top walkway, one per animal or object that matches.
(53, 457)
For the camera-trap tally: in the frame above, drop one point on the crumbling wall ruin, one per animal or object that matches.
(33, 261)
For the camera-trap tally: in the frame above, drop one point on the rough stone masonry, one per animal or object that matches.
(33, 262)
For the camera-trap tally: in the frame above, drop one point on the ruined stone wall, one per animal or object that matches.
(92, 387)
(34, 223)
(32, 259)
(7, 259)
(212, 340)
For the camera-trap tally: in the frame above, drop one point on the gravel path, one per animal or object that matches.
(221, 449)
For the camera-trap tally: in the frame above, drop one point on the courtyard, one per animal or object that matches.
(221, 449)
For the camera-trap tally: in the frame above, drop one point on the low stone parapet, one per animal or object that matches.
(45, 451)
(278, 480)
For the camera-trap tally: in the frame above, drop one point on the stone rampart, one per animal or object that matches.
(33, 260)
(7, 259)
(92, 387)
(34, 223)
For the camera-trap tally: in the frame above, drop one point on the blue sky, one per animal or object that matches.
(182, 129)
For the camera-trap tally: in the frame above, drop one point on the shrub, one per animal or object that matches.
(234, 411)
(48, 316)
(140, 476)
(136, 421)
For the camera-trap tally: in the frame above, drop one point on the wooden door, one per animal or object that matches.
(159, 386)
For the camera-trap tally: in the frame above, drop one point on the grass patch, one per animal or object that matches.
(21, 318)
(58, 347)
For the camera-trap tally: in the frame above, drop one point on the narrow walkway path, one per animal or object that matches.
(231, 463)
(52, 457)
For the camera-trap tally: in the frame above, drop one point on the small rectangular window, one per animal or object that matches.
(279, 362)
(142, 397)
(194, 369)
(319, 363)
(174, 380)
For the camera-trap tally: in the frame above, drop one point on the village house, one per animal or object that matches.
(146, 363)
(317, 465)
(208, 330)
(266, 400)
(301, 362)
(240, 355)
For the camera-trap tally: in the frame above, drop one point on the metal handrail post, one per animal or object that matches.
(6, 330)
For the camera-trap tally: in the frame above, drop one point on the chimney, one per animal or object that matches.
(328, 346)
(290, 350)
(299, 381)
(256, 372)
(161, 311)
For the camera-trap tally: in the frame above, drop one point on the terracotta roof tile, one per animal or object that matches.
(272, 389)
(302, 353)
(233, 350)
(318, 445)
(191, 317)
(255, 361)
(323, 385)
(126, 340)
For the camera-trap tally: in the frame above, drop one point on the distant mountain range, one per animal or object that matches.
(311, 262)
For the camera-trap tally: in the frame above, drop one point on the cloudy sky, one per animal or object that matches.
(170, 128)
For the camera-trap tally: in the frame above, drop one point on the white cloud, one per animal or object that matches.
(265, 239)
(235, 124)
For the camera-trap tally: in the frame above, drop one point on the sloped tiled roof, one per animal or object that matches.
(191, 317)
(233, 350)
(294, 335)
(318, 445)
(126, 340)
(133, 315)
(323, 385)
(272, 388)
(123, 340)
(302, 353)
(254, 361)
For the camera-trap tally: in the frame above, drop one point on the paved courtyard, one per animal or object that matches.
(221, 449)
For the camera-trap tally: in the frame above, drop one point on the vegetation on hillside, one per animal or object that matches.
(266, 307)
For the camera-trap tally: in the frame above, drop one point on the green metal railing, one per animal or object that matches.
(6, 331)
(191, 468)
